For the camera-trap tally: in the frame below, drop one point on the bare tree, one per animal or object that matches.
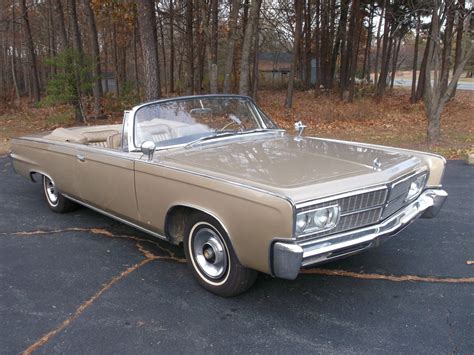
(296, 46)
(59, 15)
(247, 47)
(96, 72)
(437, 94)
(189, 47)
(214, 35)
(75, 32)
(31, 52)
(415, 59)
(231, 39)
(172, 54)
(148, 38)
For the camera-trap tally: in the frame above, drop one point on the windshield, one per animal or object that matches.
(183, 121)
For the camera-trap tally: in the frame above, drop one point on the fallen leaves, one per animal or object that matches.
(394, 121)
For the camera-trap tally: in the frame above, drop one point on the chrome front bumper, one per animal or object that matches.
(289, 257)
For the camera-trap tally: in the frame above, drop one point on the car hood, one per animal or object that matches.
(289, 166)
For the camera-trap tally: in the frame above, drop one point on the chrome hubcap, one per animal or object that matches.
(51, 191)
(210, 253)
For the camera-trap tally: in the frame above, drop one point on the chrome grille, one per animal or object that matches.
(365, 208)
(353, 203)
(397, 195)
(356, 210)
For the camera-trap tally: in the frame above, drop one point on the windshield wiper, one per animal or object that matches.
(228, 133)
(211, 136)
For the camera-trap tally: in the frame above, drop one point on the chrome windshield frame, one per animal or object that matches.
(132, 147)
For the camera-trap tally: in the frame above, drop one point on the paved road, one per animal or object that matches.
(83, 283)
(461, 85)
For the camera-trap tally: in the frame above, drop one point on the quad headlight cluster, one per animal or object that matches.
(416, 187)
(317, 220)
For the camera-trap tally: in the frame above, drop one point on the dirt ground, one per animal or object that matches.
(393, 122)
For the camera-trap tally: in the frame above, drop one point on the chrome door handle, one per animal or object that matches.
(80, 157)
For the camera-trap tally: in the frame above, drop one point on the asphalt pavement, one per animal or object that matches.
(83, 283)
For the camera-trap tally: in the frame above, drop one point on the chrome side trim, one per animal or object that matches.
(88, 148)
(124, 221)
(133, 156)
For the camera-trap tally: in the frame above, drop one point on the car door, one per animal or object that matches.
(105, 180)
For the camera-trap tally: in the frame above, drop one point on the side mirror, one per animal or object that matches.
(148, 148)
(299, 127)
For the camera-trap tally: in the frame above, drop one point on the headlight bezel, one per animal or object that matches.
(310, 227)
(421, 186)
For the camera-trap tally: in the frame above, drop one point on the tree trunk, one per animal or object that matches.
(135, 59)
(13, 54)
(51, 38)
(368, 45)
(232, 38)
(325, 65)
(376, 66)
(307, 44)
(396, 47)
(189, 48)
(147, 31)
(386, 49)
(296, 50)
(172, 56)
(59, 14)
(213, 70)
(436, 95)
(30, 47)
(247, 47)
(163, 52)
(75, 32)
(446, 55)
(355, 49)
(459, 35)
(96, 72)
(255, 64)
(415, 60)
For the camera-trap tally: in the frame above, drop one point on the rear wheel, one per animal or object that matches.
(56, 201)
(212, 259)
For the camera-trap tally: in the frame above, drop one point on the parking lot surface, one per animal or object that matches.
(81, 282)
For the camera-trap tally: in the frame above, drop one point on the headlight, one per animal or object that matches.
(416, 186)
(317, 220)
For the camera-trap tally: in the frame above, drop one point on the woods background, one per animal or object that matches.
(93, 55)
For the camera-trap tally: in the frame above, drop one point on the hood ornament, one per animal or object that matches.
(376, 164)
(299, 126)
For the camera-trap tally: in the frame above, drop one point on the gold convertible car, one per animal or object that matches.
(215, 173)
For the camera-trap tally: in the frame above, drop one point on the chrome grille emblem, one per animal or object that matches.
(376, 164)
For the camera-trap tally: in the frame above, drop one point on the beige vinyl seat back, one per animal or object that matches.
(114, 141)
(106, 138)
(100, 138)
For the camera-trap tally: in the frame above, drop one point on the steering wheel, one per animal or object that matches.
(234, 121)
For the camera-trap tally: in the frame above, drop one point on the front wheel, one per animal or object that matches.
(55, 199)
(212, 259)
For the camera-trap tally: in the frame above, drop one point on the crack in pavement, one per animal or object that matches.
(171, 256)
(149, 256)
(97, 231)
(45, 338)
(402, 278)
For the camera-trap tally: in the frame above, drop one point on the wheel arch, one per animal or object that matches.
(176, 218)
(35, 172)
